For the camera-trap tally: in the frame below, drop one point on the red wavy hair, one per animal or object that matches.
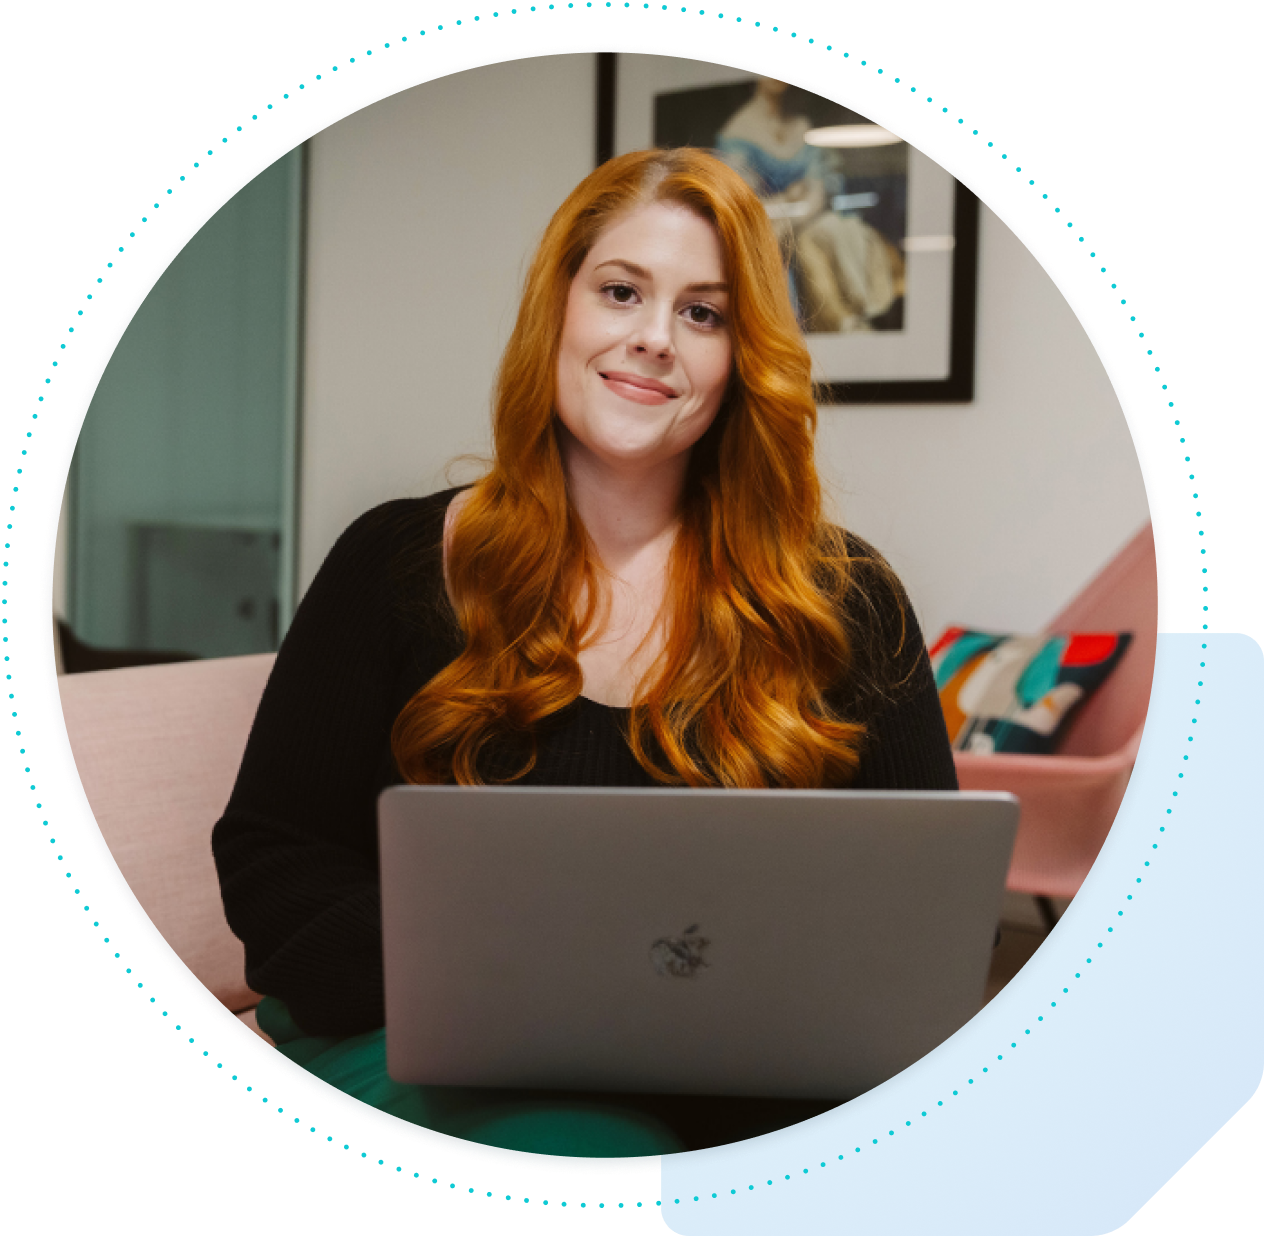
(752, 629)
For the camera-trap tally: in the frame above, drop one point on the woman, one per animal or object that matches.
(640, 591)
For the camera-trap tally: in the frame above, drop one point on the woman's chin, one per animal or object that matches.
(647, 435)
(626, 441)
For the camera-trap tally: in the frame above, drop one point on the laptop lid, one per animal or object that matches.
(745, 942)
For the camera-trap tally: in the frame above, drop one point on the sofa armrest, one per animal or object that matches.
(1068, 804)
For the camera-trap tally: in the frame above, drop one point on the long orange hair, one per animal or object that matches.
(753, 636)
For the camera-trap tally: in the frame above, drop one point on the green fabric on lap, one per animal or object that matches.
(512, 1120)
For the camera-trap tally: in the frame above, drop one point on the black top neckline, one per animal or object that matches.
(592, 703)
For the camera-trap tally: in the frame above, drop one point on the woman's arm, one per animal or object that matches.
(296, 849)
(893, 690)
(906, 747)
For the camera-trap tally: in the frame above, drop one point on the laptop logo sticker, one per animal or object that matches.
(679, 956)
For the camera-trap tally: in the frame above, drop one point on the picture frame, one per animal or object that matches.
(883, 256)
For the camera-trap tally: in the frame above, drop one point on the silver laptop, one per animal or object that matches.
(803, 944)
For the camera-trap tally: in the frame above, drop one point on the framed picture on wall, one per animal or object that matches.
(881, 243)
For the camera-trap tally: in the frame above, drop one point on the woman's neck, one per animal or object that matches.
(630, 515)
(629, 512)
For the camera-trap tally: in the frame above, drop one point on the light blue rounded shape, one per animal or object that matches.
(1119, 1082)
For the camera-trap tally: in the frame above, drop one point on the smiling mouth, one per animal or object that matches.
(637, 389)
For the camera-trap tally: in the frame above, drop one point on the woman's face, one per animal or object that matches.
(646, 350)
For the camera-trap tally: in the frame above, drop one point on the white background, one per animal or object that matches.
(1138, 117)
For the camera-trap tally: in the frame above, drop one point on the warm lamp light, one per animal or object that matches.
(851, 135)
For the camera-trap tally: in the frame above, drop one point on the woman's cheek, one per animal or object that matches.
(717, 367)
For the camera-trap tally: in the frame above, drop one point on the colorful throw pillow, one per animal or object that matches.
(1014, 693)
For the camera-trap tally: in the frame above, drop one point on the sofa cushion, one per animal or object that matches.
(1014, 693)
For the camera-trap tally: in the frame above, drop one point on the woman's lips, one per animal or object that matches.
(638, 389)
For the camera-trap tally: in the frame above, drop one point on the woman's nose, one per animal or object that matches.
(653, 333)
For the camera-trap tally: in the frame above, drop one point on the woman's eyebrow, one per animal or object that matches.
(641, 273)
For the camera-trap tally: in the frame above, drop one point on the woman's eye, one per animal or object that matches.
(703, 315)
(620, 293)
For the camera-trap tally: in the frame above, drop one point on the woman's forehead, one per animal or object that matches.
(664, 236)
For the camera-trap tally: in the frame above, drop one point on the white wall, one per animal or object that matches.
(994, 513)
(422, 211)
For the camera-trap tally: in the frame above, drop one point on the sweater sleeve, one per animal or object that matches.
(906, 745)
(296, 849)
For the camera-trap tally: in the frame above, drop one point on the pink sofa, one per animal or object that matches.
(157, 748)
(1069, 800)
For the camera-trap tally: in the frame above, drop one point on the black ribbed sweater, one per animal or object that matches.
(296, 849)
